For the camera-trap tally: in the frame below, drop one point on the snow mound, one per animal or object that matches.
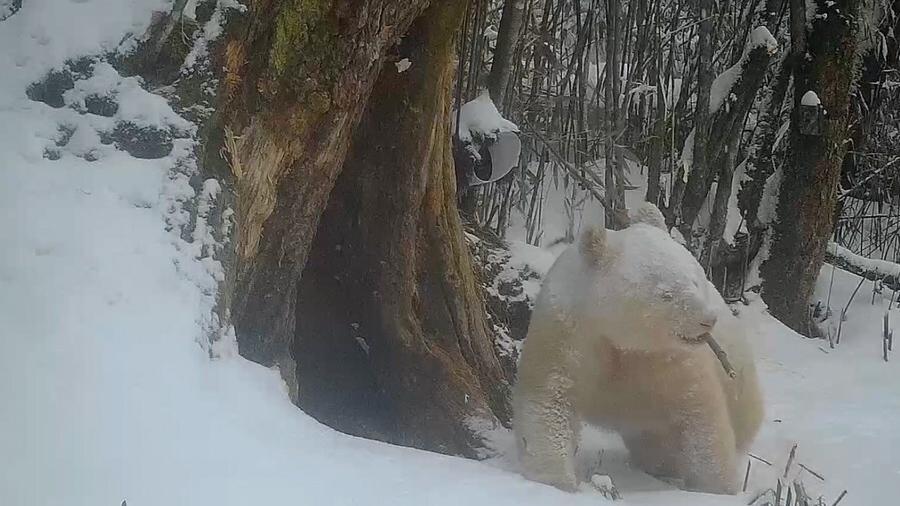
(762, 37)
(480, 119)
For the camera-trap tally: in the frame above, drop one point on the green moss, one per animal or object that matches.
(303, 47)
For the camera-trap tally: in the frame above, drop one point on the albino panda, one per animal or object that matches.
(617, 340)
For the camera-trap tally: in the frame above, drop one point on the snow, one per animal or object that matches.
(212, 29)
(762, 37)
(810, 99)
(720, 91)
(768, 203)
(867, 264)
(111, 390)
(481, 118)
(721, 86)
(734, 222)
(840, 404)
(403, 65)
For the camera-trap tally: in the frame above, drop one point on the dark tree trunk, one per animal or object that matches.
(508, 34)
(353, 276)
(725, 126)
(809, 188)
(761, 164)
(711, 251)
(700, 167)
(614, 177)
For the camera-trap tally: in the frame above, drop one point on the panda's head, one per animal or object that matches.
(648, 291)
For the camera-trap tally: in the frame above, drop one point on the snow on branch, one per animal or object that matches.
(870, 268)
(724, 82)
(738, 85)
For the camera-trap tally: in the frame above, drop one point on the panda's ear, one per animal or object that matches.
(593, 245)
(648, 214)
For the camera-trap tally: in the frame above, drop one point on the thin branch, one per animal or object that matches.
(720, 354)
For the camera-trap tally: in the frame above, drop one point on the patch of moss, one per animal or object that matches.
(304, 56)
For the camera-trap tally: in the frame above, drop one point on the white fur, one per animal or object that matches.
(615, 341)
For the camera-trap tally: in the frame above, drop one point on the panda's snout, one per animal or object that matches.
(708, 320)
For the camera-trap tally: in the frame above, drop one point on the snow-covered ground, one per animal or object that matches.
(108, 394)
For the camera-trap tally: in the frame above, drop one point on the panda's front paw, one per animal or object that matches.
(604, 484)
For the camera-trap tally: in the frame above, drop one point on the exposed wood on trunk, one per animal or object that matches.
(291, 137)
(353, 275)
(389, 308)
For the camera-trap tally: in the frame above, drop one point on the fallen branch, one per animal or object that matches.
(869, 268)
(720, 354)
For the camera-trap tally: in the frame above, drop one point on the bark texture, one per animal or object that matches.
(508, 34)
(297, 78)
(353, 277)
(809, 188)
(391, 259)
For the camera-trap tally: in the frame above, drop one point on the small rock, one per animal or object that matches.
(101, 105)
(139, 141)
(51, 88)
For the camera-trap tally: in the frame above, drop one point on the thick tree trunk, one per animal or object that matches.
(353, 275)
(809, 188)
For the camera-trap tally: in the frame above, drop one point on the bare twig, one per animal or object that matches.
(802, 498)
(720, 354)
(764, 461)
(887, 337)
(810, 471)
(840, 497)
(759, 496)
(790, 461)
(852, 296)
(746, 476)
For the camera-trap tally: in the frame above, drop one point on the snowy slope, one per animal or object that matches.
(109, 394)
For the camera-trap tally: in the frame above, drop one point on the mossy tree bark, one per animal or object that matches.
(805, 212)
(353, 276)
